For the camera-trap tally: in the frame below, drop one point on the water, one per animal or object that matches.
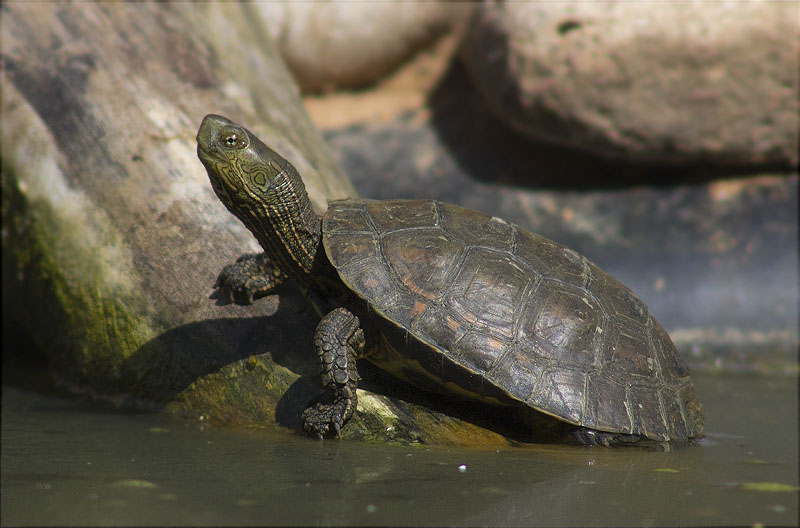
(67, 461)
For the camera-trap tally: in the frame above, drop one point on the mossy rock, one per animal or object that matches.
(112, 235)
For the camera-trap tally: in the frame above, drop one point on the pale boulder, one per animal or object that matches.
(339, 45)
(668, 81)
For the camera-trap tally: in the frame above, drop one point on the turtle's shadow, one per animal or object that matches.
(167, 365)
(159, 371)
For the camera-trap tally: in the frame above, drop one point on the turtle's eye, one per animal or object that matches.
(233, 140)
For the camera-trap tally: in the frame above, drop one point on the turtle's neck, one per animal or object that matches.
(265, 192)
(285, 224)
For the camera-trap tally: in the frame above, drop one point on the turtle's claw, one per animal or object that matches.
(320, 419)
(252, 276)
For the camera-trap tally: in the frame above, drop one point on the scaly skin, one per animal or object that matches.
(251, 277)
(338, 341)
(264, 191)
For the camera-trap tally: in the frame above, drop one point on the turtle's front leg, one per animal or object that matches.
(252, 276)
(338, 341)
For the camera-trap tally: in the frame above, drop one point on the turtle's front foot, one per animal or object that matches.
(320, 419)
(252, 276)
(338, 340)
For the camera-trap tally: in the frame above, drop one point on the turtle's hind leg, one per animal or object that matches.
(338, 341)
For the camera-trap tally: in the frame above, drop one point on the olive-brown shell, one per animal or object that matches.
(507, 308)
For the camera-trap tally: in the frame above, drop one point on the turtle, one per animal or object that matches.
(450, 299)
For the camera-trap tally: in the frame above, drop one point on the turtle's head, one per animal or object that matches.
(263, 190)
(244, 172)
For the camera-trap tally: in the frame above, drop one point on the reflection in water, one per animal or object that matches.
(66, 462)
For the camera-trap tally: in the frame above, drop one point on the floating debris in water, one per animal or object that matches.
(771, 487)
(134, 483)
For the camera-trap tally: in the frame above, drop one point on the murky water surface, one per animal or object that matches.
(67, 462)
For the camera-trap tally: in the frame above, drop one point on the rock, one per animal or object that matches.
(112, 237)
(678, 82)
(336, 45)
